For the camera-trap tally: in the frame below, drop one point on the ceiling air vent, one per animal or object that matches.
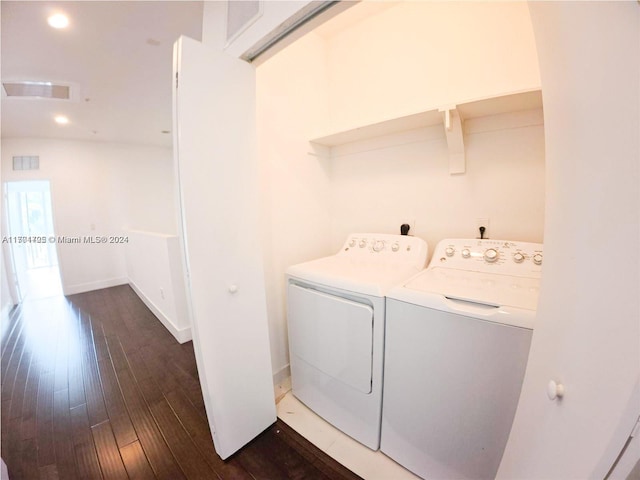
(36, 90)
(26, 162)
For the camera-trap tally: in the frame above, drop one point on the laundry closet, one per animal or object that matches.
(426, 113)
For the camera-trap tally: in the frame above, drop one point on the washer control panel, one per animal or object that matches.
(496, 256)
(383, 246)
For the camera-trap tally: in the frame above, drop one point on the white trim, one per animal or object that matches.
(281, 375)
(281, 382)
(182, 335)
(90, 286)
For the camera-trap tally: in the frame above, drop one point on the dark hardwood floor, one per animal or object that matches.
(94, 387)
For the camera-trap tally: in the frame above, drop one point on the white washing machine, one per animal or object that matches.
(336, 315)
(456, 348)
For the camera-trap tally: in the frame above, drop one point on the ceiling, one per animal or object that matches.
(117, 53)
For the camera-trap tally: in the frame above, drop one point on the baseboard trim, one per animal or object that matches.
(281, 382)
(90, 286)
(182, 335)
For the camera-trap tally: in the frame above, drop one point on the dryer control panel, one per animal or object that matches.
(495, 256)
(385, 247)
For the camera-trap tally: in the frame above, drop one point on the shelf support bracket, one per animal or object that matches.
(455, 139)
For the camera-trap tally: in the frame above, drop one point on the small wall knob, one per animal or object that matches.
(555, 390)
(233, 288)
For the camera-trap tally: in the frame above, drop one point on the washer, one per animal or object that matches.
(456, 348)
(336, 315)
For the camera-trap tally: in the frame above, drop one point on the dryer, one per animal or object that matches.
(336, 316)
(456, 348)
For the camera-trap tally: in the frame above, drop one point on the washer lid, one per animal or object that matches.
(497, 298)
(354, 274)
(483, 288)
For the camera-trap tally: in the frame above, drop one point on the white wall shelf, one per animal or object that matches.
(387, 127)
(452, 117)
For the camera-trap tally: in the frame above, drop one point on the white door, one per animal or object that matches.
(587, 334)
(214, 137)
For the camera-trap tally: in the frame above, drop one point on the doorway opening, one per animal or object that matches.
(32, 239)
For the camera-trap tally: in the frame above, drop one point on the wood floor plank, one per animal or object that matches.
(92, 387)
(116, 409)
(5, 408)
(149, 435)
(20, 383)
(99, 342)
(116, 353)
(8, 327)
(291, 465)
(136, 463)
(30, 401)
(44, 419)
(61, 378)
(13, 450)
(13, 362)
(108, 452)
(63, 445)
(256, 461)
(87, 463)
(75, 375)
(50, 472)
(79, 423)
(180, 444)
(197, 427)
(30, 459)
(148, 384)
(9, 348)
(313, 454)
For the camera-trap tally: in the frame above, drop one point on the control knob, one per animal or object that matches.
(378, 246)
(449, 251)
(352, 243)
(518, 257)
(363, 243)
(466, 253)
(395, 247)
(491, 255)
(537, 259)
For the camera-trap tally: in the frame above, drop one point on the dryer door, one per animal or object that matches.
(332, 334)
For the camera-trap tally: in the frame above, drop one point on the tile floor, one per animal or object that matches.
(359, 459)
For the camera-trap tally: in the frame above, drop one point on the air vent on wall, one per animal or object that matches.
(240, 15)
(36, 90)
(26, 162)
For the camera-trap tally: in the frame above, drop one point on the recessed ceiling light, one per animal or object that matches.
(58, 20)
(61, 119)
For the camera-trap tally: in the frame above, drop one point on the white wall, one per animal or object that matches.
(421, 55)
(98, 189)
(383, 66)
(155, 273)
(587, 332)
(377, 190)
(292, 103)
